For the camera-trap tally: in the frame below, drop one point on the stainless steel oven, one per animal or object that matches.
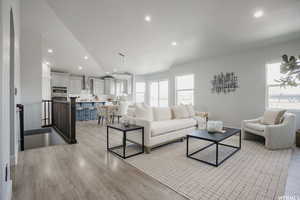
(60, 93)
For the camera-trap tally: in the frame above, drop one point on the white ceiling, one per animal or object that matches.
(68, 53)
(202, 28)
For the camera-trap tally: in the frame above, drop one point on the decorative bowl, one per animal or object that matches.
(214, 126)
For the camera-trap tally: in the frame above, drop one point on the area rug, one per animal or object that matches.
(252, 173)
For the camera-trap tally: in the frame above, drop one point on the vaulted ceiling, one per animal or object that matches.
(201, 28)
(68, 53)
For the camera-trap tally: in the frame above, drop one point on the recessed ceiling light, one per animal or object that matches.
(80, 67)
(50, 50)
(258, 14)
(86, 57)
(47, 63)
(148, 18)
(174, 43)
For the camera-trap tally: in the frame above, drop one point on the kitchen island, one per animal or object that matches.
(87, 110)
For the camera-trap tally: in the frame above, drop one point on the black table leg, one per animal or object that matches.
(107, 136)
(240, 145)
(143, 143)
(124, 144)
(187, 145)
(217, 154)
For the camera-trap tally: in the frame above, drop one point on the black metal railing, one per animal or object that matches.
(21, 117)
(47, 113)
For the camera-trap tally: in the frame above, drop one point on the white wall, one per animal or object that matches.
(249, 100)
(5, 6)
(31, 75)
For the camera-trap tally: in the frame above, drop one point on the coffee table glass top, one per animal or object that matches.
(214, 136)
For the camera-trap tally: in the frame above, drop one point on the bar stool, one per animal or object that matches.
(85, 112)
(101, 113)
(79, 112)
(91, 111)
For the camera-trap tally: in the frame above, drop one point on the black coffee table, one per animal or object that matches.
(124, 130)
(216, 138)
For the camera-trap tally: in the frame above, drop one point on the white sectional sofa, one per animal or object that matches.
(164, 125)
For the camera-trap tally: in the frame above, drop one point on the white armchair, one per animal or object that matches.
(278, 136)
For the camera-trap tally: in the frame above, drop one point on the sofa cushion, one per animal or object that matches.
(272, 117)
(162, 113)
(255, 126)
(163, 127)
(144, 112)
(180, 112)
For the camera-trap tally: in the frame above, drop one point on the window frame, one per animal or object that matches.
(144, 93)
(158, 95)
(268, 86)
(182, 90)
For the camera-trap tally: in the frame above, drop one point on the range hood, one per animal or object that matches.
(87, 83)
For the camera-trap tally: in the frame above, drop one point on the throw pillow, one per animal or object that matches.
(272, 117)
(190, 109)
(160, 114)
(180, 112)
(144, 112)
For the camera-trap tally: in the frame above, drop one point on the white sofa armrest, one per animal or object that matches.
(279, 136)
(252, 120)
(244, 122)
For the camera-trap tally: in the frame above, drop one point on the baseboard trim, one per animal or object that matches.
(7, 194)
(37, 131)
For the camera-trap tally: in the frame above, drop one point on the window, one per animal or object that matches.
(280, 97)
(119, 87)
(159, 93)
(184, 89)
(140, 88)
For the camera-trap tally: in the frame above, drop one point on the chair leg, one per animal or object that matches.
(119, 119)
(99, 119)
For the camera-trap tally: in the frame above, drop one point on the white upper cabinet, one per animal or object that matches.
(75, 85)
(59, 79)
(98, 87)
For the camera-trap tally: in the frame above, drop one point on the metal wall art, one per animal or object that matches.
(224, 83)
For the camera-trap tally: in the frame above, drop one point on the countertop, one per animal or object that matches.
(91, 101)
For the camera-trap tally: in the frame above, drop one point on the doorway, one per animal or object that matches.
(12, 104)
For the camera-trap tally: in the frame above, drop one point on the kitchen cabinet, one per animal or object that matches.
(98, 87)
(59, 79)
(75, 85)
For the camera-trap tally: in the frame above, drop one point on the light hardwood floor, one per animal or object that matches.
(87, 171)
(82, 171)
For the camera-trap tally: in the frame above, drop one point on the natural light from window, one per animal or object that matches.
(140, 88)
(280, 97)
(185, 89)
(159, 93)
